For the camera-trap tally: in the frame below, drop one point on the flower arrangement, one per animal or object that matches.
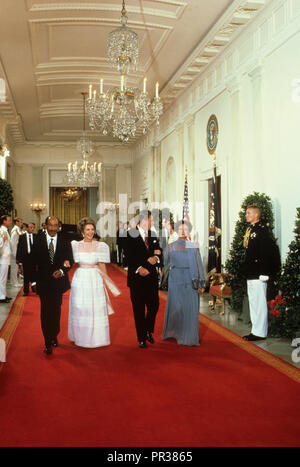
(284, 316)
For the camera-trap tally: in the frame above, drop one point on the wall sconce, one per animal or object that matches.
(38, 207)
(4, 151)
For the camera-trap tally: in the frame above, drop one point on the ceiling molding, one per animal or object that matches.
(100, 7)
(221, 35)
(55, 36)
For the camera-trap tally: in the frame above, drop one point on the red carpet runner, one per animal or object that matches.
(166, 395)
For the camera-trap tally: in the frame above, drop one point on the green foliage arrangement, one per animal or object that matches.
(284, 318)
(6, 198)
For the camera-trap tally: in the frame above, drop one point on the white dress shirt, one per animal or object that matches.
(54, 245)
(28, 237)
(14, 239)
(49, 241)
(142, 232)
(143, 235)
(4, 246)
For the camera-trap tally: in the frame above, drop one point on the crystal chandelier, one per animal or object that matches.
(70, 194)
(121, 110)
(123, 46)
(84, 174)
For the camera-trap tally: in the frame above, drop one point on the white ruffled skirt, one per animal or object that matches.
(88, 311)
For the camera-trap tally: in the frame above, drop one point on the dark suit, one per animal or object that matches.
(143, 290)
(49, 289)
(262, 253)
(121, 240)
(25, 259)
(262, 258)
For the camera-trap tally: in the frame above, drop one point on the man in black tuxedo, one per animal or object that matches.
(52, 257)
(24, 258)
(143, 254)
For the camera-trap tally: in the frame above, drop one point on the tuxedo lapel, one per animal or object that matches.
(45, 247)
(141, 240)
(58, 248)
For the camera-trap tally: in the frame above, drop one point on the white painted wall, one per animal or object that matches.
(254, 90)
(253, 87)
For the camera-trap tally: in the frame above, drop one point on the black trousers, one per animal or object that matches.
(50, 316)
(29, 276)
(144, 295)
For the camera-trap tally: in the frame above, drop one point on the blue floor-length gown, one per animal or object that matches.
(182, 310)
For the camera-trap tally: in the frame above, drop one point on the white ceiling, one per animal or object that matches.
(50, 51)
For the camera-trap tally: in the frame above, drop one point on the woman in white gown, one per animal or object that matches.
(89, 303)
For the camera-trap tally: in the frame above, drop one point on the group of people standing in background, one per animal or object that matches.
(15, 251)
(16, 255)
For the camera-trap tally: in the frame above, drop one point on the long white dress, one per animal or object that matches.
(88, 309)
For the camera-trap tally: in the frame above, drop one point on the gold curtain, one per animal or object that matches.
(68, 212)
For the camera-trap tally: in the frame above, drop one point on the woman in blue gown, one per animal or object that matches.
(186, 272)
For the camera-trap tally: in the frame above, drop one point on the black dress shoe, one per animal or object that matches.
(142, 345)
(251, 337)
(150, 338)
(54, 343)
(8, 298)
(48, 350)
(5, 300)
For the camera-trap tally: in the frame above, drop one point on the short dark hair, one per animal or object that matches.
(4, 218)
(172, 224)
(144, 215)
(51, 217)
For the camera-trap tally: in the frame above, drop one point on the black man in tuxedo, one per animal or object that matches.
(52, 257)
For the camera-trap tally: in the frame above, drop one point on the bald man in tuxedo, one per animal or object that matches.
(52, 258)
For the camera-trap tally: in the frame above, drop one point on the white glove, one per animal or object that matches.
(264, 278)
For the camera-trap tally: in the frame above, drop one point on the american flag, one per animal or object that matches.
(214, 230)
(186, 209)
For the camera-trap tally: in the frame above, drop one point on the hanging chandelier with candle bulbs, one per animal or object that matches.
(84, 174)
(121, 110)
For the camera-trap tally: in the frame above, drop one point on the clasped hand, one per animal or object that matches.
(57, 274)
(152, 260)
(143, 272)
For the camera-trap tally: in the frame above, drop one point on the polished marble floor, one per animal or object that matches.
(279, 346)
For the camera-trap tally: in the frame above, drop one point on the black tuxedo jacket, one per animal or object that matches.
(137, 255)
(46, 284)
(22, 253)
(262, 254)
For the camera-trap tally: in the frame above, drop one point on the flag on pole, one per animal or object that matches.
(186, 208)
(214, 229)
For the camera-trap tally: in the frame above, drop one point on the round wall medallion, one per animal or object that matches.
(212, 133)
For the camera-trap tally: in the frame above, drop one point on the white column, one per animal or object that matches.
(257, 124)
(234, 178)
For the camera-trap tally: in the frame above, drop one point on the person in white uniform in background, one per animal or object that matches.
(14, 240)
(5, 222)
